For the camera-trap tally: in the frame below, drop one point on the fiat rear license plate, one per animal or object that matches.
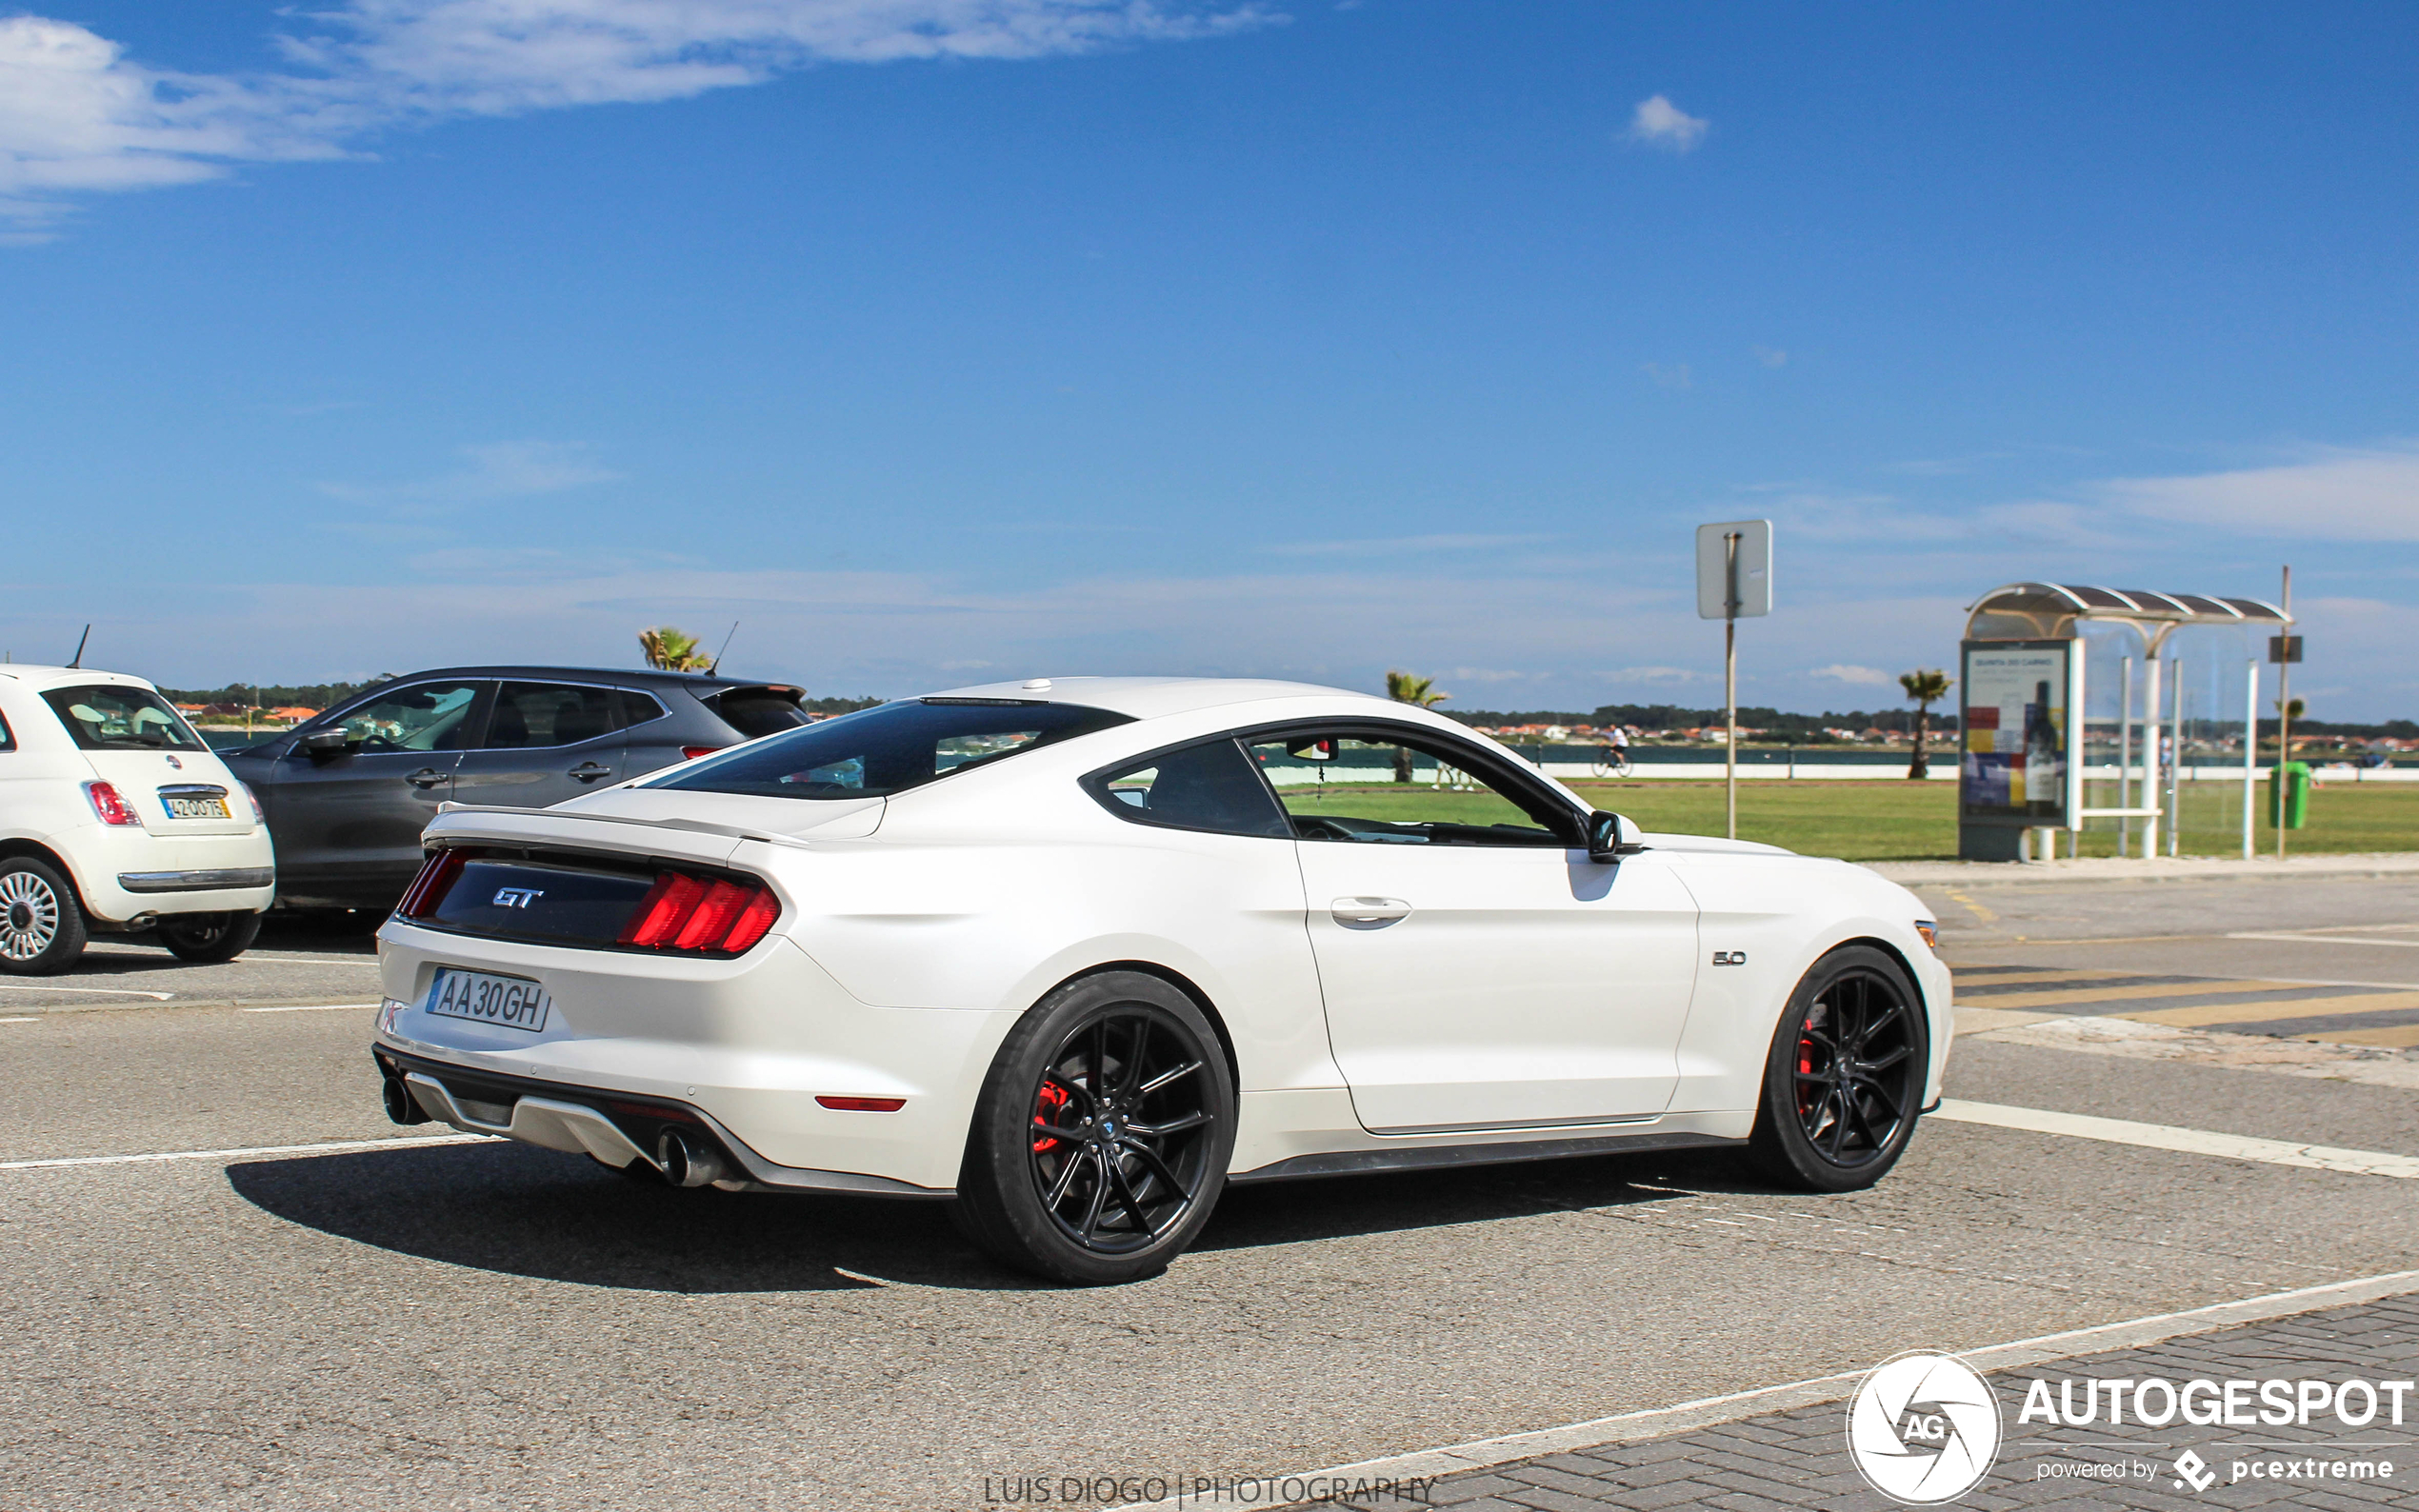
(482, 997)
(195, 807)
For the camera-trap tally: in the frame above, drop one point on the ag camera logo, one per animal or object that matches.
(1922, 1428)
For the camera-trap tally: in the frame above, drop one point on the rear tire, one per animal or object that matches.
(1101, 1138)
(1846, 1075)
(42, 929)
(210, 938)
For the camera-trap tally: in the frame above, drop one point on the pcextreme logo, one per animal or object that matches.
(1922, 1428)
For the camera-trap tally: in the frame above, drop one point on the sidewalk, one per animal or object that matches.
(2157, 868)
(1799, 1458)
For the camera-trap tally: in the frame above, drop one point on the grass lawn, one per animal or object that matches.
(1897, 821)
(1900, 821)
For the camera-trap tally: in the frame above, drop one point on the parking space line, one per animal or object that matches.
(20, 1021)
(2400, 1037)
(2325, 939)
(2208, 986)
(326, 1147)
(310, 1007)
(2187, 1141)
(2272, 1010)
(106, 993)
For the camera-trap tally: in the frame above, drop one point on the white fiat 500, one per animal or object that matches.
(1077, 954)
(114, 817)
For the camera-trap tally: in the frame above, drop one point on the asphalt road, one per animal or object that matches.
(475, 1326)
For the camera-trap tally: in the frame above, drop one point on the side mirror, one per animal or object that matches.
(1612, 837)
(323, 745)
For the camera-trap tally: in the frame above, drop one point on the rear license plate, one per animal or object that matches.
(484, 997)
(195, 807)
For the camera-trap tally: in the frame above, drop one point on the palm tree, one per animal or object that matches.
(1420, 692)
(668, 650)
(1924, 687)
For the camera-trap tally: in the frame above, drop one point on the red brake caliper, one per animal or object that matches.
(1045, 1111)
(1804, 1067)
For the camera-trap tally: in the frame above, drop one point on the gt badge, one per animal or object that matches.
(517, 897)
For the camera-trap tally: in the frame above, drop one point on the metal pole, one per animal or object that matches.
(2151, 794)
(2176, 762)
(1731, 682)
(2125, 757)
(2251, 749)
(2284, 717)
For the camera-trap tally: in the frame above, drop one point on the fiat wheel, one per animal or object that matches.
(1845, 1077)
(41, 924)
(1101, 1138)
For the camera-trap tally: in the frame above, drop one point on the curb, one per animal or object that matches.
(1657, 1422)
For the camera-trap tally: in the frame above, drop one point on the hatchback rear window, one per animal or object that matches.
(888, 750)
(107, 717)
(759, 711)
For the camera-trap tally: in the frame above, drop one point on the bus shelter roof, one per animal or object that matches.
(2048, 611)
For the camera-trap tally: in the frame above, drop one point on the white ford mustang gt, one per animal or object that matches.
(1079, 953)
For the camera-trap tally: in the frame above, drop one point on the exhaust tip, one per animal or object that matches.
(401, 1105)
(686, 1160)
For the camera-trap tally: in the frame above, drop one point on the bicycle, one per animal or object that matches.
(1610, 761)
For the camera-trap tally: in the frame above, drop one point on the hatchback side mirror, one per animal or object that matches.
(1612, 837)
(321, 744)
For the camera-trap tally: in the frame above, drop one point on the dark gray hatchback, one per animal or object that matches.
(349, 792)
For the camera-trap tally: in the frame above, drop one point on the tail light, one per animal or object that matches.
(109, 807)
(690, 753)
(260, 815)
(692, 913)
(429, 889)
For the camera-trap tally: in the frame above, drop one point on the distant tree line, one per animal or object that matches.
(1804, 728)
(274, 695)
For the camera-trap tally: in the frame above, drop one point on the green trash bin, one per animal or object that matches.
(2289, 798)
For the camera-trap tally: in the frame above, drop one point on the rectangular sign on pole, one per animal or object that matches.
(2016, 726)
(2281, 648)
(1734, 585)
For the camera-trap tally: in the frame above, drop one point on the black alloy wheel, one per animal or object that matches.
(1101, 1140)
(204, 937)
(1845, 1077)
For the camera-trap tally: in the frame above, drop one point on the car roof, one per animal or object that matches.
(641, 677)
(37, 676)
(1157, 697)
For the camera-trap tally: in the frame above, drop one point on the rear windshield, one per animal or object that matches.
(887, 749)
(107, 717)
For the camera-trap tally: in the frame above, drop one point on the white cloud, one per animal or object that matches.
(1657, 674)
(1659, 123)
(1676, 376)
(77, 115)
(2336, 494)
(1771, 356)
(1855, 676)
(503, 469)
(1395, 545)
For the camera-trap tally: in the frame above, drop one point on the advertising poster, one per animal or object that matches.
(2014, 731)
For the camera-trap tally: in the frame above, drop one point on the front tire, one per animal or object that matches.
(1101, 1138)
(42, 927)
(1846, 1075)
(210, 938)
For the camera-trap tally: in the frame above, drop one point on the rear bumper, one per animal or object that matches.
(746, 1045)
(614, 1128)
(123, 873)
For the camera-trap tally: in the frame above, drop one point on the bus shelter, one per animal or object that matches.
(2021, 711)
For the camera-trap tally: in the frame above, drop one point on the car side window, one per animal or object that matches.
(637, 708)
(1207, 787)
(423, 717)
(1366, 788)
(528, 715)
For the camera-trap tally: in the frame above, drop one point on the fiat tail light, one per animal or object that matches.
(109, 807)
(689, 913)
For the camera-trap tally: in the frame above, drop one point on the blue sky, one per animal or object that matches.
(935, 340)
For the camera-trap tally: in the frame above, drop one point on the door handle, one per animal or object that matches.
(589, 771)
(1368, 913)
(425, 776)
